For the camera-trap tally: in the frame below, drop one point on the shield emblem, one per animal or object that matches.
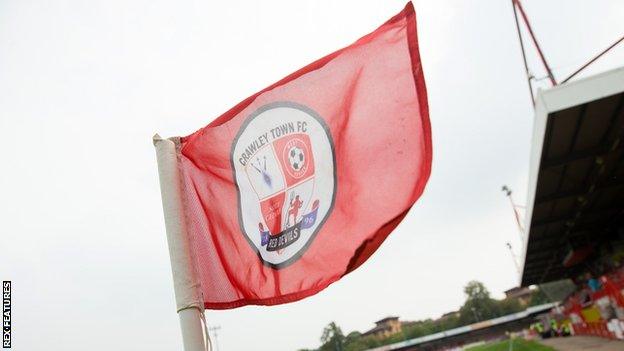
(294, 163)
(284, 167)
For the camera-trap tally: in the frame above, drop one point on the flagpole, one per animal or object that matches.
(186, 285)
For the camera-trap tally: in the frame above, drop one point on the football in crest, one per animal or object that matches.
(296, 156)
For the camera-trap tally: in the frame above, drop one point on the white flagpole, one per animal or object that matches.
(186, 285)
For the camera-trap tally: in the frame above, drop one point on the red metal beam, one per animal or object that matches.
(526, 65)
(539, 49)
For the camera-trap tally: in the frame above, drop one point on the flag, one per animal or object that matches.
(300, 183)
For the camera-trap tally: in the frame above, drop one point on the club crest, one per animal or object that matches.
(285, 173)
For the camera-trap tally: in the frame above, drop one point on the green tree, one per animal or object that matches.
(332, 338)
(479, 306)
(509, 306)
(447, 323)
(475, 290)
(352, 336)
(538, 298)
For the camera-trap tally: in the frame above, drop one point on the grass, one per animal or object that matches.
(518, 345)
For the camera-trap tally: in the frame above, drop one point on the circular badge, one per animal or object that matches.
(285, 172)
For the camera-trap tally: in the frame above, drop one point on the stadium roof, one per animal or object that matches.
(408, 344)
(575, 199)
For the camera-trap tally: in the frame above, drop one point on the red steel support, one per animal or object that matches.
(539, 49)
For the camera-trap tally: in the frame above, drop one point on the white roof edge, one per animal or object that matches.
(555, 99)
(539, 130)
(583, 90)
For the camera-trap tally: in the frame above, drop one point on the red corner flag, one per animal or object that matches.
(299, 184)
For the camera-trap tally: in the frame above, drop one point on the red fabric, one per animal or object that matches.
(371, 96)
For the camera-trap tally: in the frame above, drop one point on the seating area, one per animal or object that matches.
(597, 308)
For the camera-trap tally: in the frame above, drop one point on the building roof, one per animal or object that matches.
(377, 328)
(448, 314)
(387, 319)
(518, 291)
(576, 177)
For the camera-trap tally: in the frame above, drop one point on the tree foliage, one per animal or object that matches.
(332, 338)
(538, 298)
(479, 305)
